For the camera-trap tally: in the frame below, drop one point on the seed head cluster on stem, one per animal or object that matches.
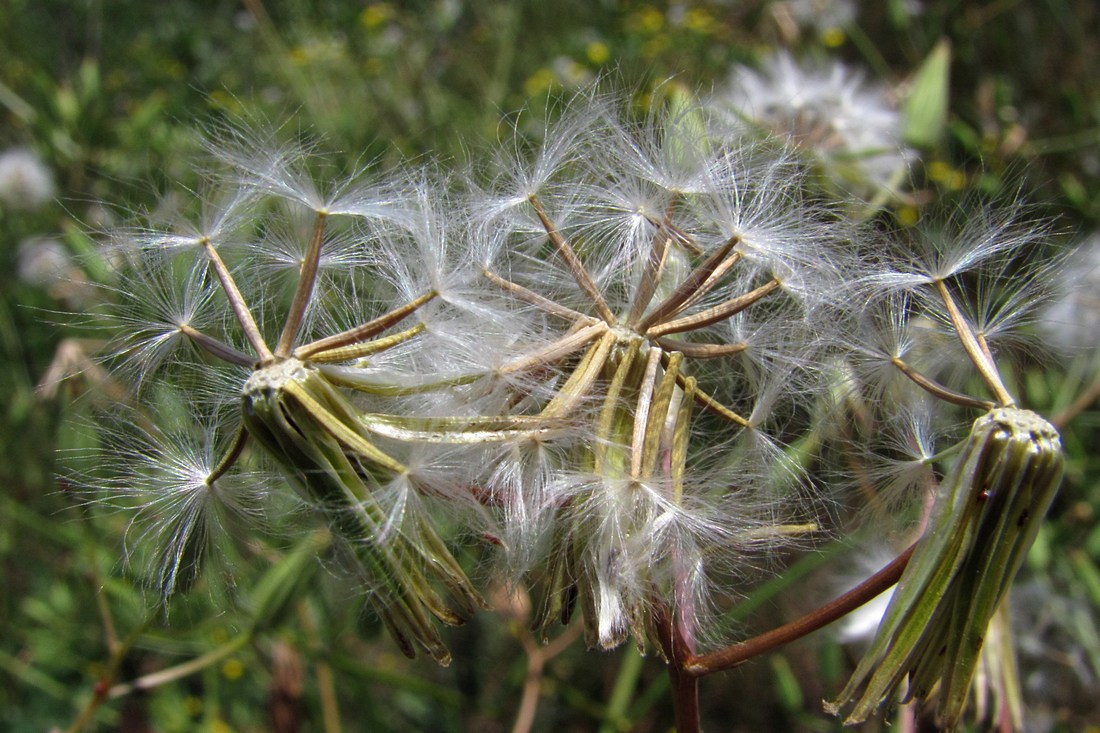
(610, 355)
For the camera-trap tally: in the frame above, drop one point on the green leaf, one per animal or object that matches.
(277, 587)
(786, 683)
(924, 116)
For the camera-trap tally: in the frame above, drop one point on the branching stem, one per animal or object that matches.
(685, 685)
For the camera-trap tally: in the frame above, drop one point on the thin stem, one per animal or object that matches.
(326, 690)
(74, 357)
(938, 390)
(651, 275)
(713, 315)
(237, 302)
(530, 296)
(580, 274)
(710, 403)
(737, 654)
(171, 674)
(1080, 404)
(217, 348)
(537, 657)
(532, 687)
(984, 364)
(102, 605)
(358, 351)
(678, 234)
(712, 280)
(719, 409)
(980, 336)
(230, 457)
(26, 673)
(685, 684)
(103, 689)
(616, 717)
(701, 351)
(307, 278)
(105, 614)
(642, 413)
(326, 681)
(367, 330)
(692, 283)
(685, 701)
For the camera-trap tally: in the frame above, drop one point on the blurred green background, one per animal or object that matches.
(111, 96)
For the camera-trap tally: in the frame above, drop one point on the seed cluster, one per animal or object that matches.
(615, 359)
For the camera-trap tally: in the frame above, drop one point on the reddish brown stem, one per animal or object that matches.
(731, 656)
(685, 684)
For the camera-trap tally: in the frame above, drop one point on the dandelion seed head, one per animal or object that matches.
(180, 513)
(965, 240)
(853, 127)
(607, 341)
(44, 262)
(899, 460)
(26, 183)
(154, 309)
